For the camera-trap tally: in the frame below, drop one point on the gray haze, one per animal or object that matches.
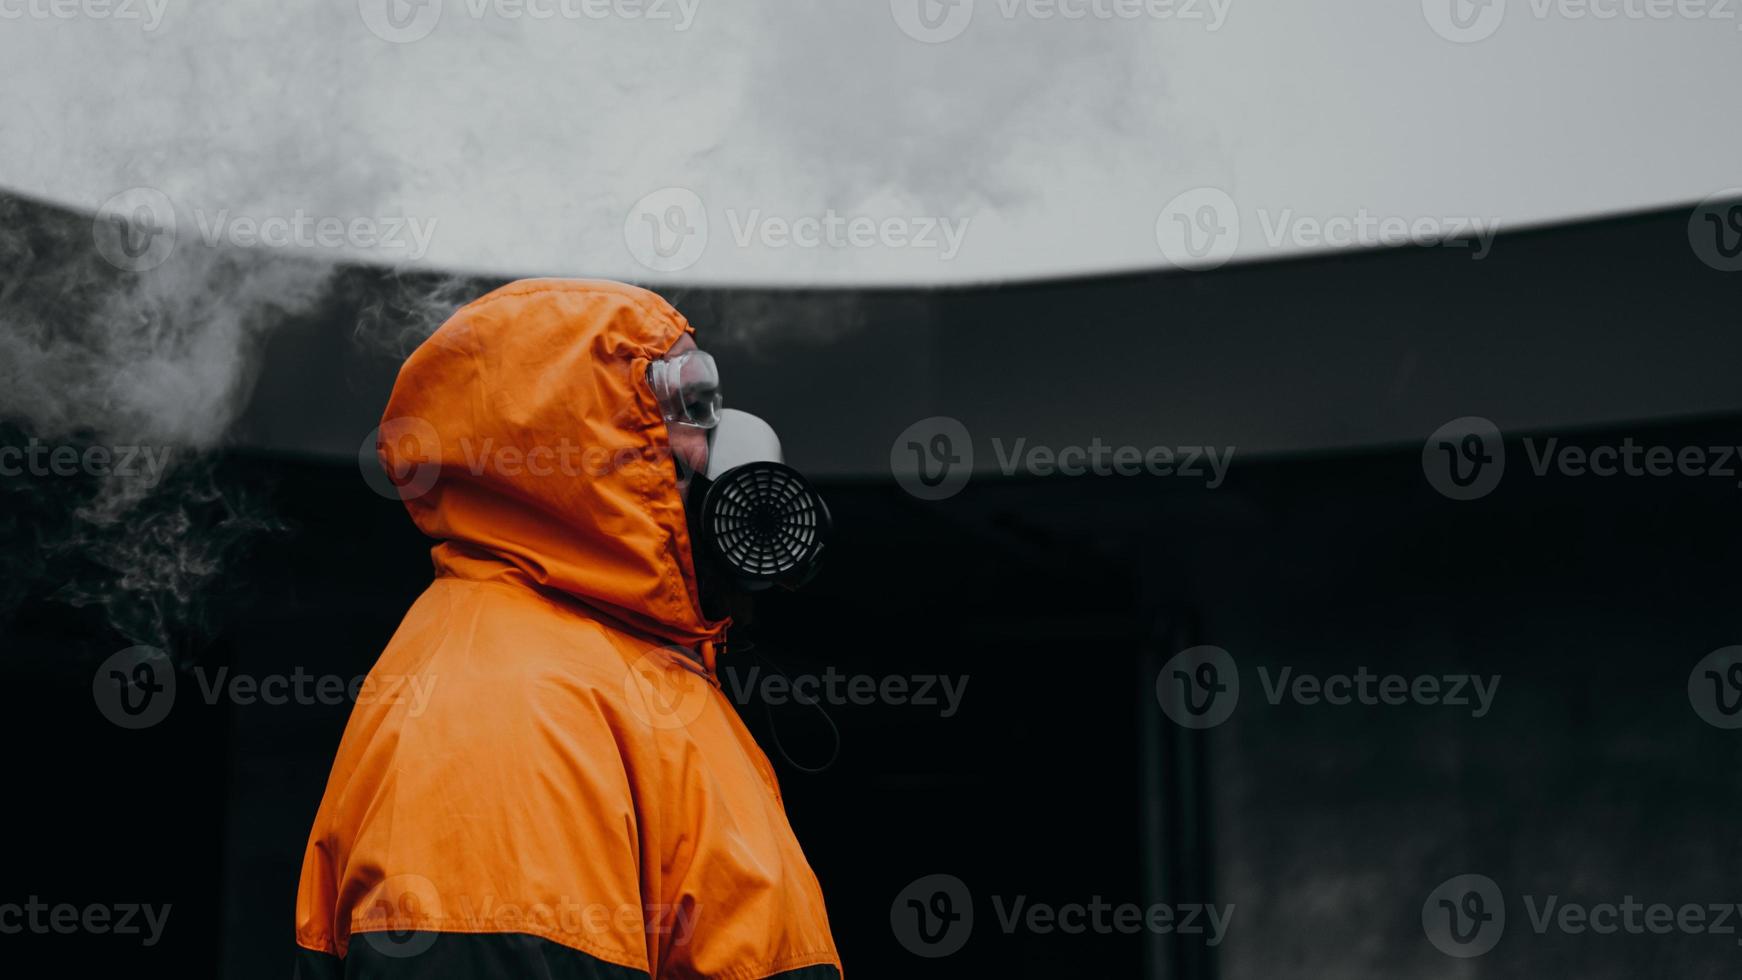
(523, 145)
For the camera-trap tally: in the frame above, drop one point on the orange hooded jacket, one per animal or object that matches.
(541, 776)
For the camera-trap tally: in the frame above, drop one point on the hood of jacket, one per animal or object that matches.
(523, 436)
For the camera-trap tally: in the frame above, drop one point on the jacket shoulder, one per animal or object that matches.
(494, 794)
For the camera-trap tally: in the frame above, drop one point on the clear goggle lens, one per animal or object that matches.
(688, 389)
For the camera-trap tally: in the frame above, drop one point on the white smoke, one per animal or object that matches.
(523, 143)
(116, 386)
(276, 142)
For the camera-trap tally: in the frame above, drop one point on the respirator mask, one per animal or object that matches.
(754, 521)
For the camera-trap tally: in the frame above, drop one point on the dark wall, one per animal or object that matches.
(1597, 323)
(1592, 778)
(878, 794)
(1057, 601)
(1326, 827)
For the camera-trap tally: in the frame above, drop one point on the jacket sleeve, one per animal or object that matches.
(552, 805)
(493, 833)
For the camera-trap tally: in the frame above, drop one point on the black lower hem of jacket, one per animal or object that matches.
(466, 956)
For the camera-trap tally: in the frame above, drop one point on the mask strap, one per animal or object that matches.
(774, 729)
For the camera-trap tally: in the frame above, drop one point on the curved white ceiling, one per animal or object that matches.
(911, 141)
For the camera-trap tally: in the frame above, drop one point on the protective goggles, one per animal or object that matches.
(688, 389)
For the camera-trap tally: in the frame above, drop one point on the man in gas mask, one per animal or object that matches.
(572, 795)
